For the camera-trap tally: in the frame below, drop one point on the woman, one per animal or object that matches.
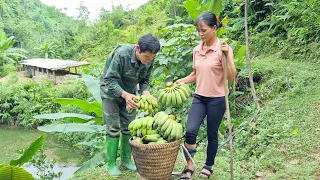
(209, 97)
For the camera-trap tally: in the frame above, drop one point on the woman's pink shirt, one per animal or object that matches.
(209, 71)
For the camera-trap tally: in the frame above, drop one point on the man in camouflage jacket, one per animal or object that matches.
(126, 66)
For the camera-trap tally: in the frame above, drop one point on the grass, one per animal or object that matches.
(13, 139)
(283, 143)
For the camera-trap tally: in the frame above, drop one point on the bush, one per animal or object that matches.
(19, 102)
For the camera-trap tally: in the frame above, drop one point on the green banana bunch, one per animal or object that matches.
(146, 103)
(167, 127)
(142, 126)
(174, 95)
(153, 139)
(161, 128)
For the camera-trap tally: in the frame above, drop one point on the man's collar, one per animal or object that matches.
(134, 56)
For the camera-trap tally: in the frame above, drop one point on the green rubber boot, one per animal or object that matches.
(126, 153)
(112, 149)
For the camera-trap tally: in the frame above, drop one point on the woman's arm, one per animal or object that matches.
(231, 69)
(188, 79)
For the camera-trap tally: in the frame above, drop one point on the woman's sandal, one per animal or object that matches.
(186, 171)
(206, 174)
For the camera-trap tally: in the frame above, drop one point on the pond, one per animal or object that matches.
(13, 139)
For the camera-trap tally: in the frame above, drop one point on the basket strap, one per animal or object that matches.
(185, 152)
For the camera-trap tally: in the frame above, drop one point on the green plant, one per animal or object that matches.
(44, 167)
(8, 54)
(13, 171)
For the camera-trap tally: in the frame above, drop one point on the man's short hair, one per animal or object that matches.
(149, 43)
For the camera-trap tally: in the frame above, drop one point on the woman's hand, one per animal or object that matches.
(179, 81)
(225, 48)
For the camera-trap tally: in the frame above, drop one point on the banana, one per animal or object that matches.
(174, 130)
(173, 117)
(158, 115)
(179, 132)
(173, 98)
(133, 132)
(139, 132)
(161, 142)
(162, 121)
(161, 93)
(149, 138)
(146, 106)
(183, 96)
(141, 104)
(186, 88)
(149, 99)
(168, 100)
(166, 125)
(150, 122)
(138, 124)
(164, 98)
(153, 137)
(144, 122)
(150, 132)
(144, 131)
(178, 97)
(131, 125)
(168, 130)
(150, 108)
(154, 103)
(144, 98)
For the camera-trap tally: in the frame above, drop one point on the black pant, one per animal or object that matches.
(214, 108)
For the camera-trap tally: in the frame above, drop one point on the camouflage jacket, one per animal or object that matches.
(123, 71)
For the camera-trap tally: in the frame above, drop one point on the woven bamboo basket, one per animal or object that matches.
(155, 161)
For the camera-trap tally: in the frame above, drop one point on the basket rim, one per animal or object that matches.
(153, 145)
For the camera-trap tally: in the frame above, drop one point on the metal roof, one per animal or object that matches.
(53, 64)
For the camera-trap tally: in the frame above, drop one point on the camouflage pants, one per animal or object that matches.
(116, 117)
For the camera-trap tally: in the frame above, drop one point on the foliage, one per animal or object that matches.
(13, 171)
(86, 123)
(47, 50)
(44, 167)
(8, 54)
(19, 102)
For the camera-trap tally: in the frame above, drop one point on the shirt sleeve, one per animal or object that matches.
(112, 76)
(145, 81)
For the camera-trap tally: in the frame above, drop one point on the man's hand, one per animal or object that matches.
(129, 100)
(147, 93)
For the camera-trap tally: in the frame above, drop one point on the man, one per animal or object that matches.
(126, 66)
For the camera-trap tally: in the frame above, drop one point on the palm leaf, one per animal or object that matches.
(79, 118)
(30, 152)
(14, 173)
(66, 128)
(93, 85)
(99, 158)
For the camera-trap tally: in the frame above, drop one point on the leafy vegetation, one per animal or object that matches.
(13, 170)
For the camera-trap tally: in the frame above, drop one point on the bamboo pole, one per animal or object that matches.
(225, 80)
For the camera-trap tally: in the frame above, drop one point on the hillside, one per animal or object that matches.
(283, 143)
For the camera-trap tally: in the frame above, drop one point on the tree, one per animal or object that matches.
(8, 54)
(48, 50)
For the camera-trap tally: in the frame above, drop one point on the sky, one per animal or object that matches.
(93, 6)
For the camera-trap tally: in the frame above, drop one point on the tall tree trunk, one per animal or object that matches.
(253, 91)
